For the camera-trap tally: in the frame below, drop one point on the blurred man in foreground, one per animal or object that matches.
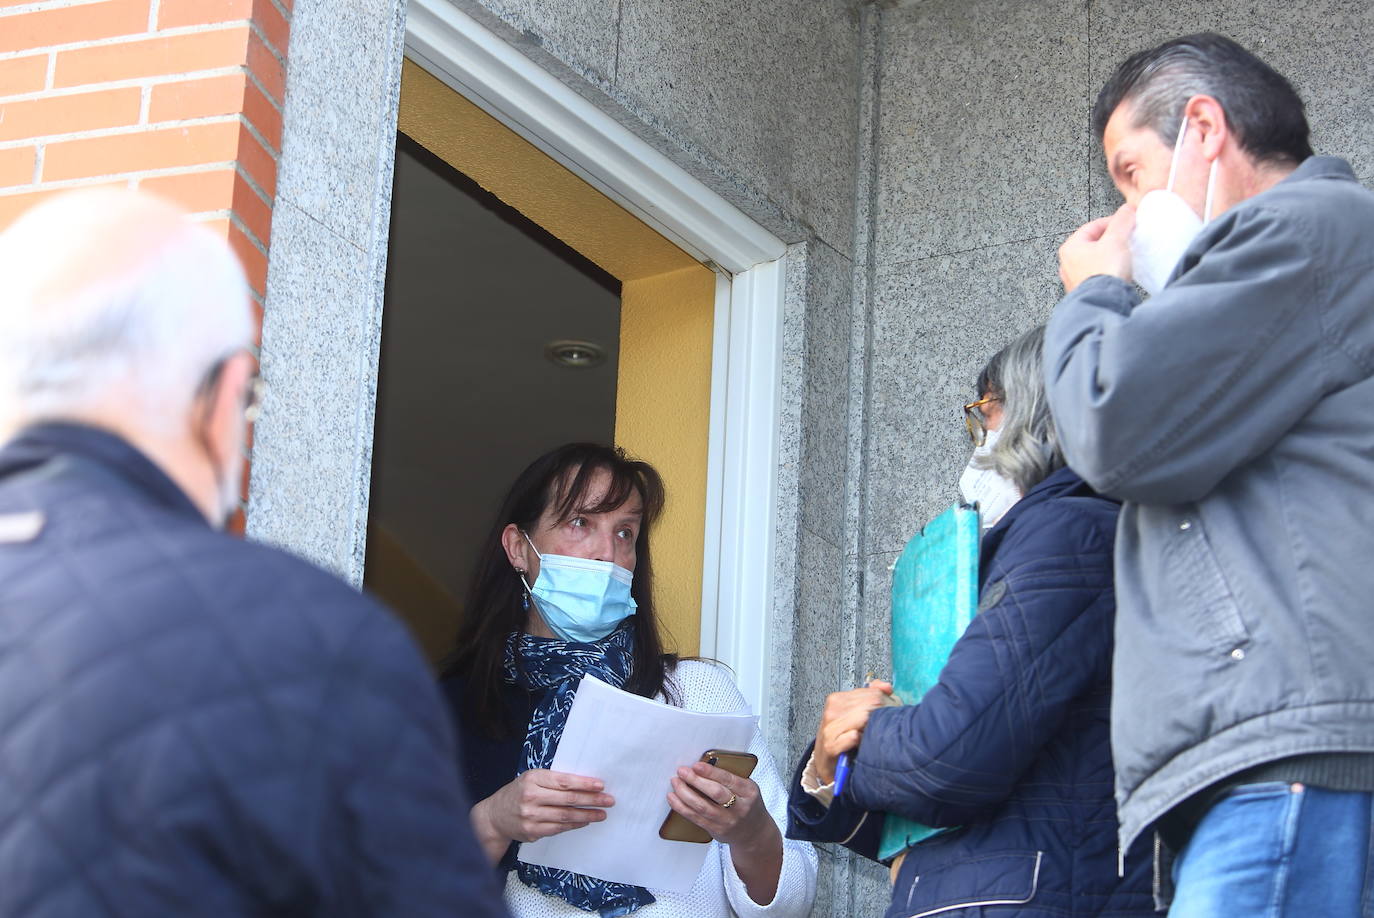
(190, 724)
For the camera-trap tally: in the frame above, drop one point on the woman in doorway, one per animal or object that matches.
(525, 643)
(1010, 750)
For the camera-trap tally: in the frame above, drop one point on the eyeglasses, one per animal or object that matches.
(974, 420)
(252, 395)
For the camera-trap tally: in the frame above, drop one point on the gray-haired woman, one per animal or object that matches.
(1010, 749)
(1015, 446)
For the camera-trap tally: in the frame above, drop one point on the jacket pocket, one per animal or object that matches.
(1011, 878)
(1201, 589)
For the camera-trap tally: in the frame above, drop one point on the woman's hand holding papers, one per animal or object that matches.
(732, 810)
(535, 805)
(843, 722)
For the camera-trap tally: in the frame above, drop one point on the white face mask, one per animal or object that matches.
(981, 484)
(1165, 226)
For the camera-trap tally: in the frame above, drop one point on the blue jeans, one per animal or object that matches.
(1277, 850)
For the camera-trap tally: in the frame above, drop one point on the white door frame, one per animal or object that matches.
(741, 485)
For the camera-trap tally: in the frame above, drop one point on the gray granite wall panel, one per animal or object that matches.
(583, 34)
(873, 649)
(827, 867)
(308, 443)
(312, 451)
(821, 664)
(341, 91)
(811, 471)
(756, 99)
(817, 657)
(935, 324)
(787, 534)
(980, 140)
(848, 883)
(824, 429)
(981, 170)
(767, 87)
(870, 891)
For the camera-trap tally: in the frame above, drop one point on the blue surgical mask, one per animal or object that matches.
(581, 600)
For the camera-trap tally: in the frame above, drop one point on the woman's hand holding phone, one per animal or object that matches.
(730, 808)
(700, 794)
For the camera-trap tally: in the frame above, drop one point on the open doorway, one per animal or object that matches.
(499, 342)
(499, 255)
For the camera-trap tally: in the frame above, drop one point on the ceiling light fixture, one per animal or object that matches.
(577, 354)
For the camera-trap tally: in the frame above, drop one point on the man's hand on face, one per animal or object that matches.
(1100, 247)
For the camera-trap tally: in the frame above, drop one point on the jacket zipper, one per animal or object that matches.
(1035, 885)
(1157, 873)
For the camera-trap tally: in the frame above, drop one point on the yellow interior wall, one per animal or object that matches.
(662, 413)
(526, 178)
(403, 583)
(663, 389)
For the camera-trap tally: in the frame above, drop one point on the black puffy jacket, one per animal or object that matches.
(191, 724)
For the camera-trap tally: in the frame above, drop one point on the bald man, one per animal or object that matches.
(190, 724)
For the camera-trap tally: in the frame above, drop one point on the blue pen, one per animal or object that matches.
(843, 764)
(841, 772)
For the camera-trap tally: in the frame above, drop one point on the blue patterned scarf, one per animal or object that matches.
(556, 665)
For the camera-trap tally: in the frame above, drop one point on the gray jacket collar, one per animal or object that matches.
(1321, 167)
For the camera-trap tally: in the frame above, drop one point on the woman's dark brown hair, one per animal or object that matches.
(558, 481)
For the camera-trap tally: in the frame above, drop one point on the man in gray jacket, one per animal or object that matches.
(1233, 411)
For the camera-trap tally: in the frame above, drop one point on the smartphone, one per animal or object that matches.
(678, 827)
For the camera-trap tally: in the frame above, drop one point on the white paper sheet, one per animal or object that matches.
(635, 745)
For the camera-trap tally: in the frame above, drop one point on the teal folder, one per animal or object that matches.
(934, 597)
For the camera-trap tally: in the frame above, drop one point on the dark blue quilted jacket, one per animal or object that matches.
(192, 725)
(1012, 744)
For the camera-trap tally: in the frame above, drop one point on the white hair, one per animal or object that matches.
(148, 315)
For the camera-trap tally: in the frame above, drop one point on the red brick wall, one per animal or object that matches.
(179, 97)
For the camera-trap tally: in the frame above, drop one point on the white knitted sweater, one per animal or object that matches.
(718, 891)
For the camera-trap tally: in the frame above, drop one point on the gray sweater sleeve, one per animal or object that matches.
(1157, 401)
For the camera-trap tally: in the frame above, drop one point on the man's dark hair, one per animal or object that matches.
(1261, 106)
